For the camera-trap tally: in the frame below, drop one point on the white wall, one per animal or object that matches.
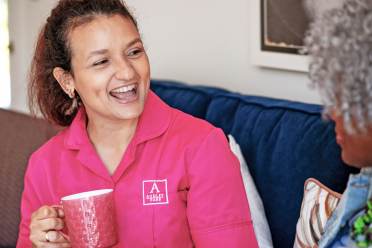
(25, 20)
(200, 42)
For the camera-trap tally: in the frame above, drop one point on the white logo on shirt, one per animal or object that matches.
(155, 192)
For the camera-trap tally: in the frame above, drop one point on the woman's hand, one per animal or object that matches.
(46, 224)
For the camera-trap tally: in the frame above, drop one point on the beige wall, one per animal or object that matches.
(199, 42)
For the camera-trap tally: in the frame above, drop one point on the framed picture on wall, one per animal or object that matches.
(283, 25)
(278, 29)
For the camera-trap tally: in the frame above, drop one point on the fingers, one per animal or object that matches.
(55, 237)
(40, 228)
(47, 224)
(47, 218)
(44, 226)
(51, 239)
(52, 245)
(47, 212)
(59, 210)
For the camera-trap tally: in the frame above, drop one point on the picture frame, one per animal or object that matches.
(273, 57)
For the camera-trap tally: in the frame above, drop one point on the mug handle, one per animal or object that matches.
(64, 231)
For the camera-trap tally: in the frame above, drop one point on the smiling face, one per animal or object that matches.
(356, 148)
(111, 71)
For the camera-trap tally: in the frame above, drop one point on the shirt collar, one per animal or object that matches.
(152, 123)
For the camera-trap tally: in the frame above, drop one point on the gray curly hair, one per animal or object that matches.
(340, 45)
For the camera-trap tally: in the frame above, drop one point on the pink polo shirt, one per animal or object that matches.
(177, 185)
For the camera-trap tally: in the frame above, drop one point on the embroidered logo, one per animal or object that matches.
(155, 192)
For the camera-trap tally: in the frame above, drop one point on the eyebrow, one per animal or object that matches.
(134, 42)
(97, 52)
(103, 51)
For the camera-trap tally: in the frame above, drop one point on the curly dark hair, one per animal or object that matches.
(53, 50)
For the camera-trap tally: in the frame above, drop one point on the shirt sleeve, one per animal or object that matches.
(34, 184)
(217, 206)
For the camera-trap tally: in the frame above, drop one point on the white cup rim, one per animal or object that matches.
(86, 194)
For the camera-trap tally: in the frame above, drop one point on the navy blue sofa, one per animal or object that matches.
(283, 142)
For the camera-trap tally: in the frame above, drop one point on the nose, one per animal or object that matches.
(124, 70)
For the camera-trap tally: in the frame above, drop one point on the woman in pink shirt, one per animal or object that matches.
(175, 181)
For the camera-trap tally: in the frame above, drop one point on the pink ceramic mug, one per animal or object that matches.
(90, 218)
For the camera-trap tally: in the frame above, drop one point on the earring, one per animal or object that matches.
(71, 93)
(73, 106)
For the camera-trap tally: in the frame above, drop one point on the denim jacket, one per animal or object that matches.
(353, 200)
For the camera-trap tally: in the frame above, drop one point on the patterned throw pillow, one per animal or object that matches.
(317, 206)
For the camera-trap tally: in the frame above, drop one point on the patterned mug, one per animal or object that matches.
(90, 219)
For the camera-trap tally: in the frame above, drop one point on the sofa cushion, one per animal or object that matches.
(192, 100)
(284, 143)
(20, 135)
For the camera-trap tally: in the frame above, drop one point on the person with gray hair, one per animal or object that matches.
(340, 46)
(315, 8)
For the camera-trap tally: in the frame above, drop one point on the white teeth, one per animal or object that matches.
(124, 89)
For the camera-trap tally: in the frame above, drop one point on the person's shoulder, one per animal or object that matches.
(188, 121)
(193, 128)
(51, 147)
(46, 156)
